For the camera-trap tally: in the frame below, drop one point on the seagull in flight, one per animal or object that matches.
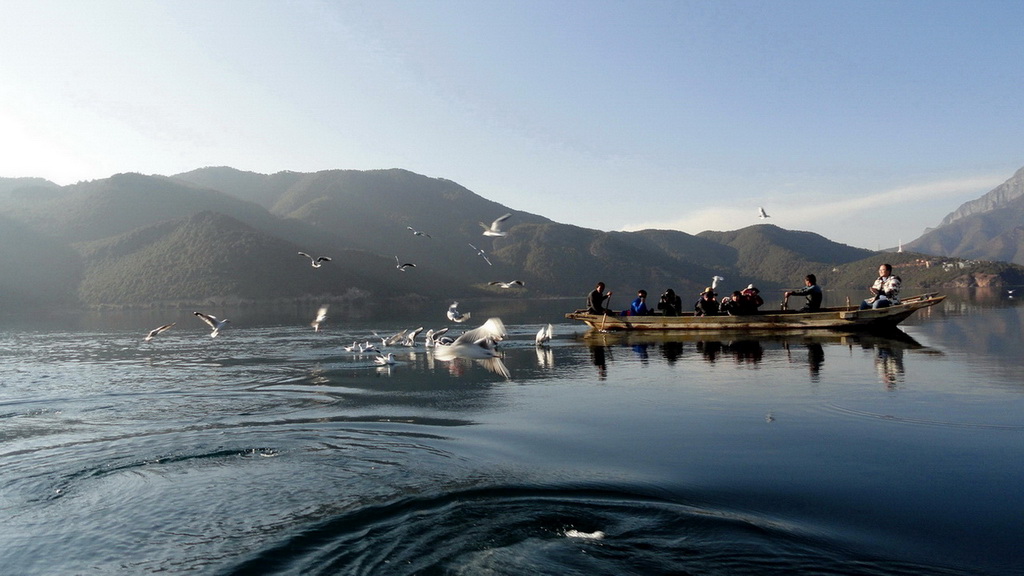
(213, 322)
(454, 315)
(762, 214)
(431, 338)
(315, 262)
(417, 232)
(402, 267)
(715, 280)
(480, 252)
(321, 316)
(507, 284)
(156, 331)
(480, 344)
(495, 228)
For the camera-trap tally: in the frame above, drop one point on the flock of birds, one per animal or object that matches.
(479, 344)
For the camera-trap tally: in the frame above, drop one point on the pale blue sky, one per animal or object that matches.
(862, 121)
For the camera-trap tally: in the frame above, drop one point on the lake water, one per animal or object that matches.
(271, 450)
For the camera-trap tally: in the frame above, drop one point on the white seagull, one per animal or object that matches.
(715, 280)
(395, 338)
(417, 232)
(495, 228)
(410, 338)
(455, 316)
(383, 360)
(544, 335)
(480, 252)
(762, 214)
(432, 338)
(315, 262)
(213, 322)
(479, 344)
(156, 331)
(321, 316)
(402, 267)
(507, 284)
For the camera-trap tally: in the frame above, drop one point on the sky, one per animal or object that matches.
(863, 121)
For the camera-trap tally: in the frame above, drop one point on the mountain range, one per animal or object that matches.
(988, 228)
(221, 235)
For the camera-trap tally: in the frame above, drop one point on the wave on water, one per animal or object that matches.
(521, 530)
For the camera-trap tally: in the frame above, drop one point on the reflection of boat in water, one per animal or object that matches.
(837, 318)
(892, 338)
(752, 347)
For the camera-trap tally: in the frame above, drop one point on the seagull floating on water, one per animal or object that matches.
(213, 322)
(401, 266)
(455, 316)
(321, 316)
(383, 360)
(156, 331)
(762, 214)
(507, 284)
(480, 252)
(495, 228)
(417, 232)
(544, 335)
(315, 262)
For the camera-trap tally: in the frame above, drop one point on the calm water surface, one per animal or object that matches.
(270, 449)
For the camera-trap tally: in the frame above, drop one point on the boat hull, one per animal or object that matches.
(843, 318)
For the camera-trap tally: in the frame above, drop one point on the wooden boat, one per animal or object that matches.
(836, 318)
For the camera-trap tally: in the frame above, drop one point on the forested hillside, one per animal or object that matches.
(219, 235)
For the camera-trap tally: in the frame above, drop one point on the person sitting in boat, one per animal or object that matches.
(707, 305)
(812, 292)
(596, 300)
(639, 306)
(884, 290)
(750, 300)
(730, 305)
(670, 304)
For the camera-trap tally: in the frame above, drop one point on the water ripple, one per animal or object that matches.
(521, 530)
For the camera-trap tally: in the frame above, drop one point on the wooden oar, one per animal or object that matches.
(605, 317)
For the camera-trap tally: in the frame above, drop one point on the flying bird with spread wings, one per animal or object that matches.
(495, 228)
(155, 331)
(315, 262)
(402, 266)
(214, 323)
(321, 317)
(480, 252)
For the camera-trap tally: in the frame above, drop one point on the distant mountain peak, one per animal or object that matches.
(996, 198)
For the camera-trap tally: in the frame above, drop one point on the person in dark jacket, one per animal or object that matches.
(596, 299)
(812, 292)
(750, 300)
(707, 305)
(670, 304)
